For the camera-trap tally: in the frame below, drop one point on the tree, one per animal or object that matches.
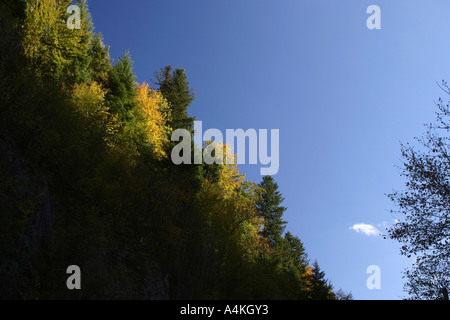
(269, 207)
(290, 263)
(100, 62)
(79, 67)
(174, 86)
(318, 287)
(13, 9)
(85, 177)
(121, 86)
(89, 102)
(342, 295)
(293, 255)
(54, 51)
(424, 228)
(154, 115)
(229, 205)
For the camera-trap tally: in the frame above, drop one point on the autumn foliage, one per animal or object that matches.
(94, 150)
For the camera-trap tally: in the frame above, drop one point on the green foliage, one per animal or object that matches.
(55, 52)
(100, 62)
(292, 255)
(85, 179)
(318, 287)
(174, 86)
(121, 86)
(269, 207)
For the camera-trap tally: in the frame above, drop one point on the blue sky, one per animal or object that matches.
(342, 96)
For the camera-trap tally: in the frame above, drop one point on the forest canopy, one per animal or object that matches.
(86, 179)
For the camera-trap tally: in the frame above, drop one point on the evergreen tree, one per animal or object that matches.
(85, 176)
(269, 207)
(78, 70)
(100, 61)
(342, 295)
(293, 255)
(291, 262)
(121, 86)
(319, 287)
(175, 88)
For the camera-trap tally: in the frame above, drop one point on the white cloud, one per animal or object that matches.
(367, 229)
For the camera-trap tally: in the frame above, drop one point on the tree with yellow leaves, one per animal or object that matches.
(89, 103)
(153, 113)
(228, 204)
(54, 51)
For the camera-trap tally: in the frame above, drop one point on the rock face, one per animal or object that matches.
(156, 284)
(26, 214)
(27, 241)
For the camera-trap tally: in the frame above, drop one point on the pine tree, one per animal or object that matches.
(318, 286)
(78, 69)
(293, 255)
(121, 86)
(100, 61)
(175, 88)
(100, 144)
(269, 207)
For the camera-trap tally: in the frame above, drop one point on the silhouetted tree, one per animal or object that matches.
(319, 287)
(423, 228)
(174, 86)
(342, 295)
(270, 208)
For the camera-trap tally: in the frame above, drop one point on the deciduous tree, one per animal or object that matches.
(423, 214)
(154, 113)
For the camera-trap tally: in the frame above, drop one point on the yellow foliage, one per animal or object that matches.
(155, 112)
(307, 276)
(89, 102)
(229, 203)
(47, 41)
(229, 178)
(89, 98)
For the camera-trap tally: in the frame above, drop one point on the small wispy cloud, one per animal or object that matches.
(367, 229)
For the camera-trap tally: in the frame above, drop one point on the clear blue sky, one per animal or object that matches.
(342, 96)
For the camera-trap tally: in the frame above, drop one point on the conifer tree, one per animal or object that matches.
(85, 176)
(318, 286)
(100, 61)
(270, 208)
(174, 86)
(121, 86)
(294, 256)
